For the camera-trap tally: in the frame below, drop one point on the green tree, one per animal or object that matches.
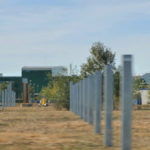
(138, 83)
(58, 90)
(3, 85)
(100, 56)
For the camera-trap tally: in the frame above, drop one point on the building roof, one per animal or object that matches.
(32, 68)
(146, 77)
(2, 77)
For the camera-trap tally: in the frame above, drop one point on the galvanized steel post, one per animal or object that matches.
(3, 98)
(80, 98)
(15, 98)
(84, 100)
(74, 98)
(97, 102)
(70, 104)
(108, 104)
(91, 78)
(88, 99)
(126, 102)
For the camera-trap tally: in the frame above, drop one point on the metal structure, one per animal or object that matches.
(126, 103)
(7, 97)
(86, 101)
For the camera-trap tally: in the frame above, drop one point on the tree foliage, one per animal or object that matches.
(58, 87)
(100, 56)
(3, 86)
(58, 90)
(138, 83)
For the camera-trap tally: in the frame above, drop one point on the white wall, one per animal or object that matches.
(145, 96)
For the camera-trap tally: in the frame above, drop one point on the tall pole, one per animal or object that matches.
(70, 106)
(97, 101)
(108, 104)
(126, 102)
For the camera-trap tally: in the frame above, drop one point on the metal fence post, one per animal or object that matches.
(77, 88)
(12, 102)
(108, 104)
(15, 98)
(126, 102)
(74, 98)
(82, 99)
(78, 98)
(3, 98)
(88, 99)
(91, 80)
(1, 103)
(97, 102)
(70, 106)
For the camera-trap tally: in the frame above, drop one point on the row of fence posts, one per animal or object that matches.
(86, 101)
(7, 97)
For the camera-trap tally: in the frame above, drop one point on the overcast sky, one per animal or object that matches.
(61, 32)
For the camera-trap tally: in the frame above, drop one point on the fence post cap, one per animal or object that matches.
(127, 57)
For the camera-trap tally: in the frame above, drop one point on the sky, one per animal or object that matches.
(61, 32)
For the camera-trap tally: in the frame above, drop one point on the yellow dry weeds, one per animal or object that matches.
(39, 128)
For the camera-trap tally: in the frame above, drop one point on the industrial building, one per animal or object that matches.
(37, 77)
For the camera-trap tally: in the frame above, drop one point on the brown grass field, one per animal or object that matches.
(43, 128)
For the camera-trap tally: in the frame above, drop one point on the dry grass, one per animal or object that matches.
(41, 128)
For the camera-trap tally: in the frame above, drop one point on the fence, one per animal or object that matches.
(7, 97)
(86, 101)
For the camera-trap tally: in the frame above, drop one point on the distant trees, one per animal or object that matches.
(100, 56)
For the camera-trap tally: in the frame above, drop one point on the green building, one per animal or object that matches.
(37, 77)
